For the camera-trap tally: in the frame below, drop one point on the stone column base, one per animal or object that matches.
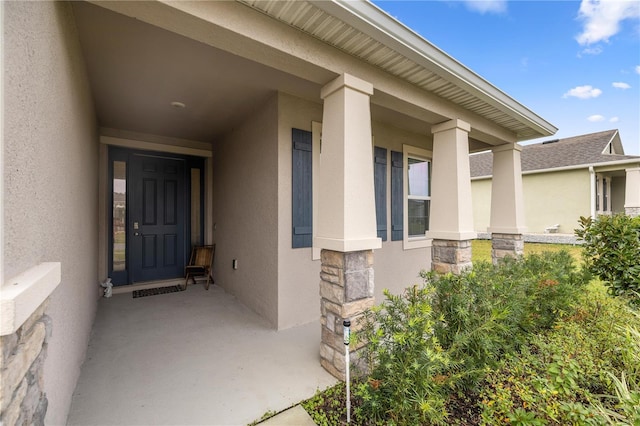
(503, 245)
(22, 356)
(632, 211)
(451, 256)
(346, 291)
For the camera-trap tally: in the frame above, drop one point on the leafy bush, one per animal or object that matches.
(492, 310)
(612, 251)
(407, 365)
(559, 377)
(442, 336)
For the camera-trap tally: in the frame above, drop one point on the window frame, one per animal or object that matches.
(409, 151)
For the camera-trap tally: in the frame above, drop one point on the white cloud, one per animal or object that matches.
(487, 6)
(614, 119)
(595, 118)
(620, 85)
(637, 69)
(583, 92)
(602, 18)
(592, 51)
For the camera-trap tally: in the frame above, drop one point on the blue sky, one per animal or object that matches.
(574, 63)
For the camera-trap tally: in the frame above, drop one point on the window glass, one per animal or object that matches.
(119, 215)
(196, 220)
(419, 184)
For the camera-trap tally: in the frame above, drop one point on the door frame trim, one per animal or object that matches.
(104, 195)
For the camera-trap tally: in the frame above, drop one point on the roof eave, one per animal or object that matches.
(573, 167)
(375, 22)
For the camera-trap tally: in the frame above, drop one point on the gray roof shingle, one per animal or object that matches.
(574, 151)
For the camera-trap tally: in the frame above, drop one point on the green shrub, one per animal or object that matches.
(407, 365)
(612, 252)
(492, 310)
(443, 336)
(561, 375)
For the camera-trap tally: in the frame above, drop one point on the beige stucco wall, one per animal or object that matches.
(556, 198)
(245, 194)
(298, 274)
(50, 180)
(481, 197)
(549, 199)
(618, 193)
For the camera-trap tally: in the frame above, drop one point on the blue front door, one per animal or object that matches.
(156, 222)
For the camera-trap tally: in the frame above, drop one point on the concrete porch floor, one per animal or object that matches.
(192, 357)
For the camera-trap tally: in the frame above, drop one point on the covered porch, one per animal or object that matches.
(192, 357)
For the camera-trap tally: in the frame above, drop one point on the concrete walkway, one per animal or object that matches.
(192, 358)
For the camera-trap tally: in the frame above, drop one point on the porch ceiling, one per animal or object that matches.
(136, 70)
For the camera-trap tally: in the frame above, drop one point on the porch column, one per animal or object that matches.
(632, 192)
(451, 214)
(507, 205)
(346, 223)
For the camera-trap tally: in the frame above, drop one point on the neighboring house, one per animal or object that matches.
(564, 179)
(274, 129)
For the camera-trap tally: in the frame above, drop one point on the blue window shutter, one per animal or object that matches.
(397, 201)
(301, 189)
(380, 184)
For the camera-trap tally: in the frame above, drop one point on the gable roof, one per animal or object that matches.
(584, 150)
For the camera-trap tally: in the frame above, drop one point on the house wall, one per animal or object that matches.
(245, 215)
(396, 268)
(481, 198)
(556, 198)
(549, 199)
(298, 274)
(50, 179)
(618, 188)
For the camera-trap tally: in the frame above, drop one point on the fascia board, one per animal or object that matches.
(376, 23)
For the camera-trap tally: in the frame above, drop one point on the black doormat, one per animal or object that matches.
(158, 290)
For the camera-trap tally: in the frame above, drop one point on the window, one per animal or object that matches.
(603, 194)
(416, 199)
(418, 195)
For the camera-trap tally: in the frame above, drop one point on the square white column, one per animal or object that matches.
(632, 192)
(507, 202)
(346, 204)
(451, 215)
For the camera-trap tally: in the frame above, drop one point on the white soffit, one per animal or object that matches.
(363, 30)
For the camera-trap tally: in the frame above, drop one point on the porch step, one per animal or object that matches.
(295, 416)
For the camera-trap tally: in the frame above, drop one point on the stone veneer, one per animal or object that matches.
(346, 291)
(632, 211)
(451, 256)
(503, 245)
(22, 399)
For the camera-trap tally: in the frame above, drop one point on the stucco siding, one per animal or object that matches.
(50, 179)
(298, 274)
(481, 198)
(618, 188)
(245, 194)
(556, 198)
(549, 199)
